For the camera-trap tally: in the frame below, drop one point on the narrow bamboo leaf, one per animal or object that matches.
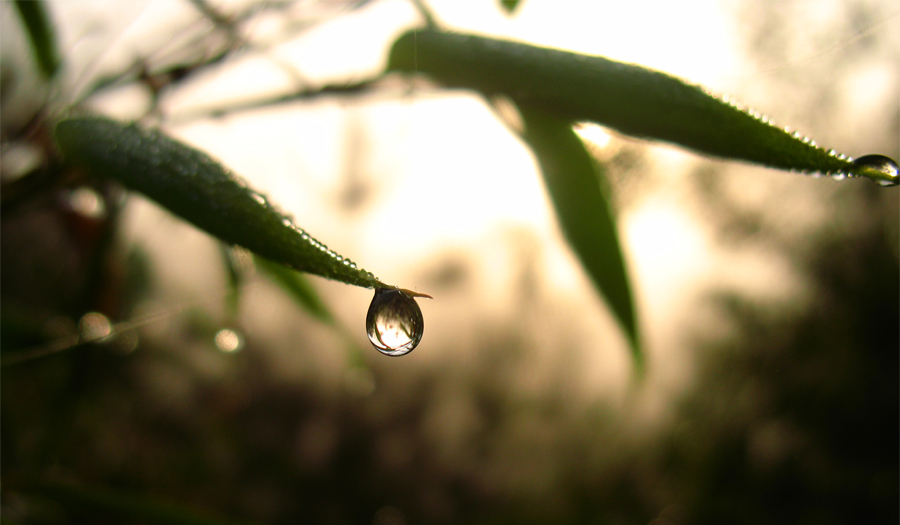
(304, 294)
(40, 32)
(198, 189)
(573, 181)
(297, 287)
(631, 99)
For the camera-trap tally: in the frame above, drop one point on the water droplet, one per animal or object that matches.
(228, 340)
(394, 322)
(839, 175)
(95, 326)
(88, 203)
(259, 198)
(879, 168)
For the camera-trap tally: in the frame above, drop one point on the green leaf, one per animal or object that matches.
(40, 31)
(631, 99)
(198, 189)
(573, 179)
(509, 5)
(298, 287)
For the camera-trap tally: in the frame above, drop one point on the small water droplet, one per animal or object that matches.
(95, 326)
(258, 197)
(839, 176)
(287, 222)
(879, 168)
(394, 322)
(87, 202)
(228, 340)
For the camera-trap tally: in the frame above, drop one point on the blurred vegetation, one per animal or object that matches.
(791, 418)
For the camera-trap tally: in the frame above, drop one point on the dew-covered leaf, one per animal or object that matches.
(631, 99)
(193, 186)
(573, 180)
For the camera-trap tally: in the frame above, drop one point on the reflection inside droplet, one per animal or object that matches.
(394, 322)
(879, 168)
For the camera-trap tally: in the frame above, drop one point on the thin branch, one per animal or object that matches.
(352, 89)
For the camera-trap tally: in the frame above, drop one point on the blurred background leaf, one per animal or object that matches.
(574, 181)
(297, 287)
(41, 33)
(238, 264)
(509, 5)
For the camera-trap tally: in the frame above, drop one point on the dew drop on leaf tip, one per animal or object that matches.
(879, 168)
(394, 321)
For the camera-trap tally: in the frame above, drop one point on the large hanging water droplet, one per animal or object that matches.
(879, 168)
(394, 322)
